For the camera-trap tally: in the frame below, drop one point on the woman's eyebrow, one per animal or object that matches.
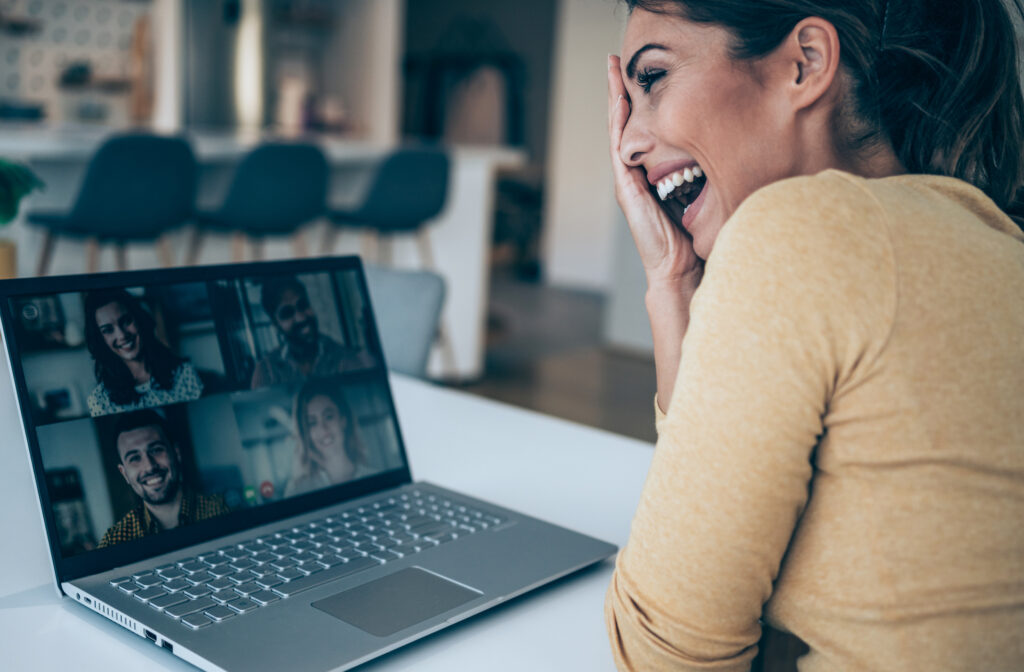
(631, 68)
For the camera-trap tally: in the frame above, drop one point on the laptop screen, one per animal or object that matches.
(160, 405)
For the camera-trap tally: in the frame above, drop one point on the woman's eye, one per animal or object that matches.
(647, 77)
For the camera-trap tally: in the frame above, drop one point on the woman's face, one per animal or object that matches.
(694, 106)
(119, 330)
(326, 425)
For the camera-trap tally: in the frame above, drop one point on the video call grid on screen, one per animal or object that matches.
(181, 402)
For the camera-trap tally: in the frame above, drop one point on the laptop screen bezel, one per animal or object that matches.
(69, 568)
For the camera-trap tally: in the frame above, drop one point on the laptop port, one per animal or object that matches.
(167, 645)
(150, 635)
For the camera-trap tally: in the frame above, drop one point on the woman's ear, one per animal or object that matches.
(812, 53)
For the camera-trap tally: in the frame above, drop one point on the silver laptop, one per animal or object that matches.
(220, 469)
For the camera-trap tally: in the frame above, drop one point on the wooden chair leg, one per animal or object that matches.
(45, 254)
(330, 239)
(299, 248)
(385, 250)
(443, 340)
(426, 250)
(194, 246)
(370, 246)
(164, 252)
(447, 351)
(238, 247)
(121, 256)
(92, 255)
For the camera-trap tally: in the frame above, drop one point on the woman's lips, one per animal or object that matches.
(694, 208)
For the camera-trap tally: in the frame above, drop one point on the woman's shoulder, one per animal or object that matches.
(826, 204)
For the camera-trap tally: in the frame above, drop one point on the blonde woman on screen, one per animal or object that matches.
(329, 449)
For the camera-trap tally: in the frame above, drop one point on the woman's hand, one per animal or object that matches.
(335, 463)
(666, 249)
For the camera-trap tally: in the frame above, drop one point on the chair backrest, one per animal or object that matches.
(408, 306)
(409, 187)
(277, 187)
(136, 186)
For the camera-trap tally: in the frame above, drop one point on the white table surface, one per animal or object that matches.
(576, 476)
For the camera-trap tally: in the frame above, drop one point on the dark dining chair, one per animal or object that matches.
(408, 189)
(137, 187)
(276, 189)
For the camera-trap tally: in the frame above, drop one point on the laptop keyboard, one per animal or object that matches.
(235, 580)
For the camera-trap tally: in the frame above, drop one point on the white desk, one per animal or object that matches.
(576, 476)
(460, 234)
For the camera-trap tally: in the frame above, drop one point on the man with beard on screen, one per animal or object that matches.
(150, 462)
(304, 352)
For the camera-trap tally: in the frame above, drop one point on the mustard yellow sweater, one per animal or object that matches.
(843, 456)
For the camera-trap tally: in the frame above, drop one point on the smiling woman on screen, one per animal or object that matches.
(133, 368)
(826, 197)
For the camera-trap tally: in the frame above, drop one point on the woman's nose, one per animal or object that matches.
(636, 143)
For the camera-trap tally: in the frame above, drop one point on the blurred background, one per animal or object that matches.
(544, 305)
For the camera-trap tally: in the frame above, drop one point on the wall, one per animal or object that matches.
(580, 209)
(527, 27)
(363, 65)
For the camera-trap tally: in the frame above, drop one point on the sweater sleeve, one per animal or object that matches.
(799, 293)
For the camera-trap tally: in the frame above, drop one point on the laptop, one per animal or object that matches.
(220, 469)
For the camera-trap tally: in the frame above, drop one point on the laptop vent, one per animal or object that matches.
(101, 608)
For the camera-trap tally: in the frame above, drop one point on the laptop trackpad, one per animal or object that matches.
(394, 602)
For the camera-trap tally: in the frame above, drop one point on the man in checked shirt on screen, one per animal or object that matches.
(150, 463)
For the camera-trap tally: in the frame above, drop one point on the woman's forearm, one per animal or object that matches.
(668, 307)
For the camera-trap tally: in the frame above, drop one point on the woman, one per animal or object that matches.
(819, 194)
(133, 368)
(328, 450)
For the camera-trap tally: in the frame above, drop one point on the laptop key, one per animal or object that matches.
(330, 560)
(149, 581)
(443, 537)
(243, 605)
(269, 582)
(176, 585)
(264, 597)
(162, 603)
(290, 574)
(224, 596)
(196, 621)
(219, 613)
(193, 567)
(263, 558)
(218, 572)
(199, 577)
(129, 588)
(120, 581)
(197, 591)
(172, 573)
(150, 594)
(190, 607)
(247, 589)
(320, 578)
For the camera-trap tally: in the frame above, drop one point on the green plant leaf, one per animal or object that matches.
(16, 181)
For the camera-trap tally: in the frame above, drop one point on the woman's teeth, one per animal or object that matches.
(677, 179)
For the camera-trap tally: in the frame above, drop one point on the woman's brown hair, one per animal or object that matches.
(938, 79)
